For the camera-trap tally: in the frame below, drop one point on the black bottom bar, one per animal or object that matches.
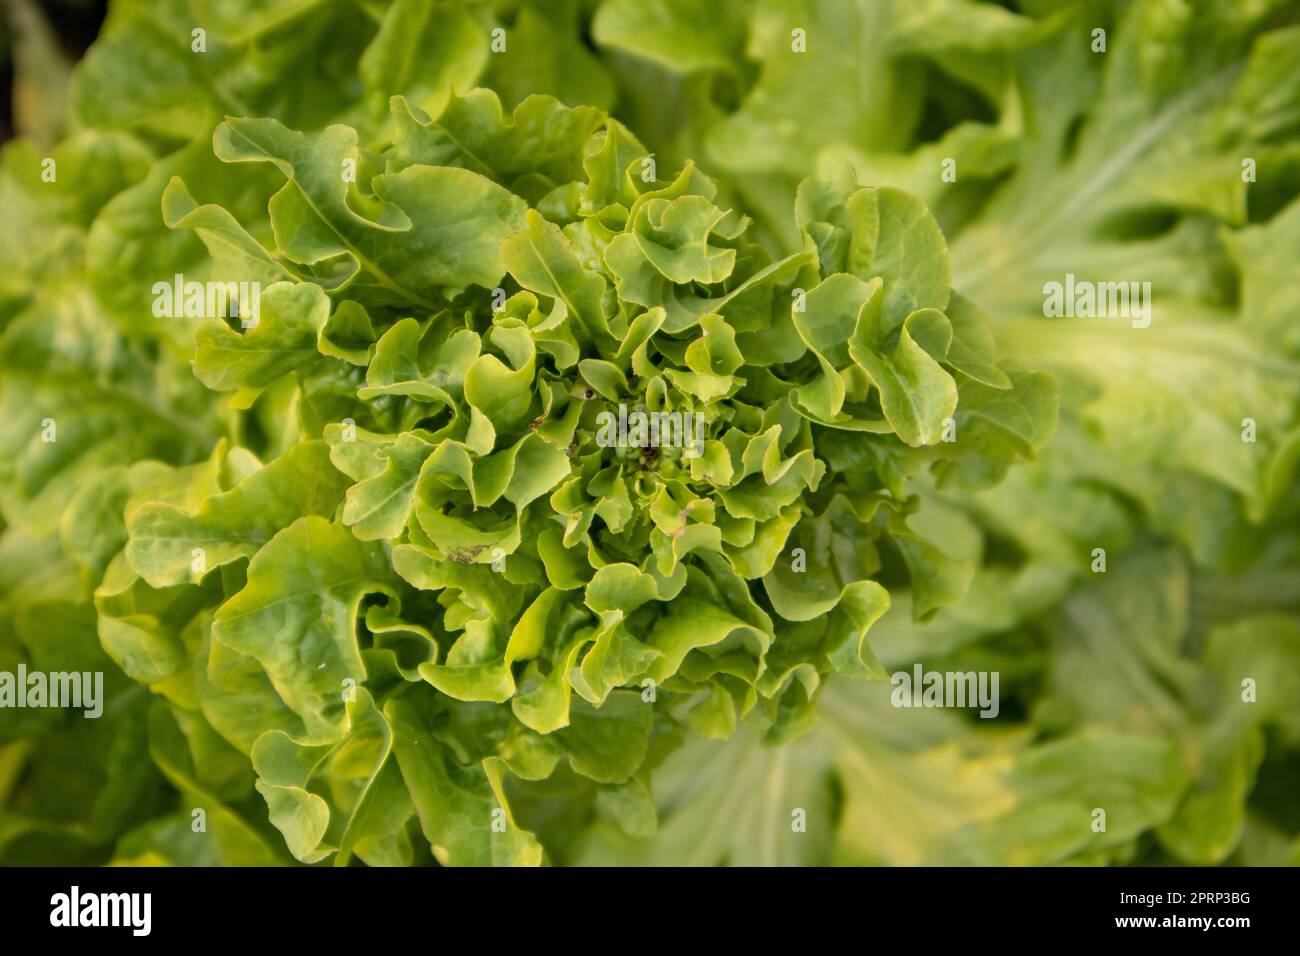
(338, 906)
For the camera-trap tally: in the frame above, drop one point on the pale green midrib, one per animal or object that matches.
(364, 810)
(555, 283)
(1029, 237)
(704, 854)
(384, 502)
(222, 536)
(384, 278)
(330, 587)
(487, 172)
(1024, 336)
(775, 778)
(274, 19)
(263, 349)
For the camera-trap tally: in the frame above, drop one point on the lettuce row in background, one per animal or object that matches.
(1151, 448)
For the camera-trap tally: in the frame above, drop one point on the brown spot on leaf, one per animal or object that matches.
(466, 555)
